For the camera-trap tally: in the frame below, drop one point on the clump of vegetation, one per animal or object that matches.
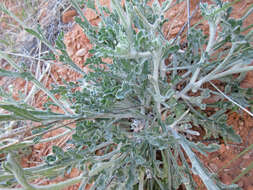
(128, 110)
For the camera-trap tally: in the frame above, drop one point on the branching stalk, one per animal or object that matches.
(231, 100)
(18, 172)
(250, 11)
(123, 17)
(196, 167)
(143, 18)
(192, 85)
(19, 175)
(35, 82)
(229, 72)
(134, 55)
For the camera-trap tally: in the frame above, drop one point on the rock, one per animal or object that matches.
(214, 167)
(240, 184)
(68, 16)
(227, 179)
(246, 156)
(223, 148)
(70, 51)
(175, 30)
(250, 187)
(212, 99)
(81, 52)
(90, 14)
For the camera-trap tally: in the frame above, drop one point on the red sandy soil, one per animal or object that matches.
(78, 46)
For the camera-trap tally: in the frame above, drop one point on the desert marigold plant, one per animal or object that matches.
(135, 118)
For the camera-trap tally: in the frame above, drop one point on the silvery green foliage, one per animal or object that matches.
(133, 128)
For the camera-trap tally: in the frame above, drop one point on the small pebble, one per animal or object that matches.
(81, 52)
(216, 109)
(241, 123)
(222, 148)
(226, 179)
(246, 156)
(214, 167)
(68, 16)
(240, 183)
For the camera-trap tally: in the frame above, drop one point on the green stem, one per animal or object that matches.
(156, 65)
(197, 168)
(19, 175)
(212, 33)
(238, 156)
(143, 18)
(250, 167)
(58, 186)
(133, 55)
(34, 81)
(192, 85)
(231, 100)
(165, 166)
(248, 13)
(141, 180)
(229, 72)
(18, 172)
(123, 17)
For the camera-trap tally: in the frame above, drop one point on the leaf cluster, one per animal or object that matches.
(134, 129)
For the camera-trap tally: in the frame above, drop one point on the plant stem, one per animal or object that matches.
(192, 85)
(123, 17)
(212, 33)
(196, 167)
(18, 172)
(188, 15)
(156, 63)
(133, 55)
(229, 72)
(141, 180)
(19, 175)
(143, 18)
(247, 14)
(244, 172)
(231, 100)
(35, 82)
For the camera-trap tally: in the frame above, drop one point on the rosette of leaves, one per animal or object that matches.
(133, 127)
